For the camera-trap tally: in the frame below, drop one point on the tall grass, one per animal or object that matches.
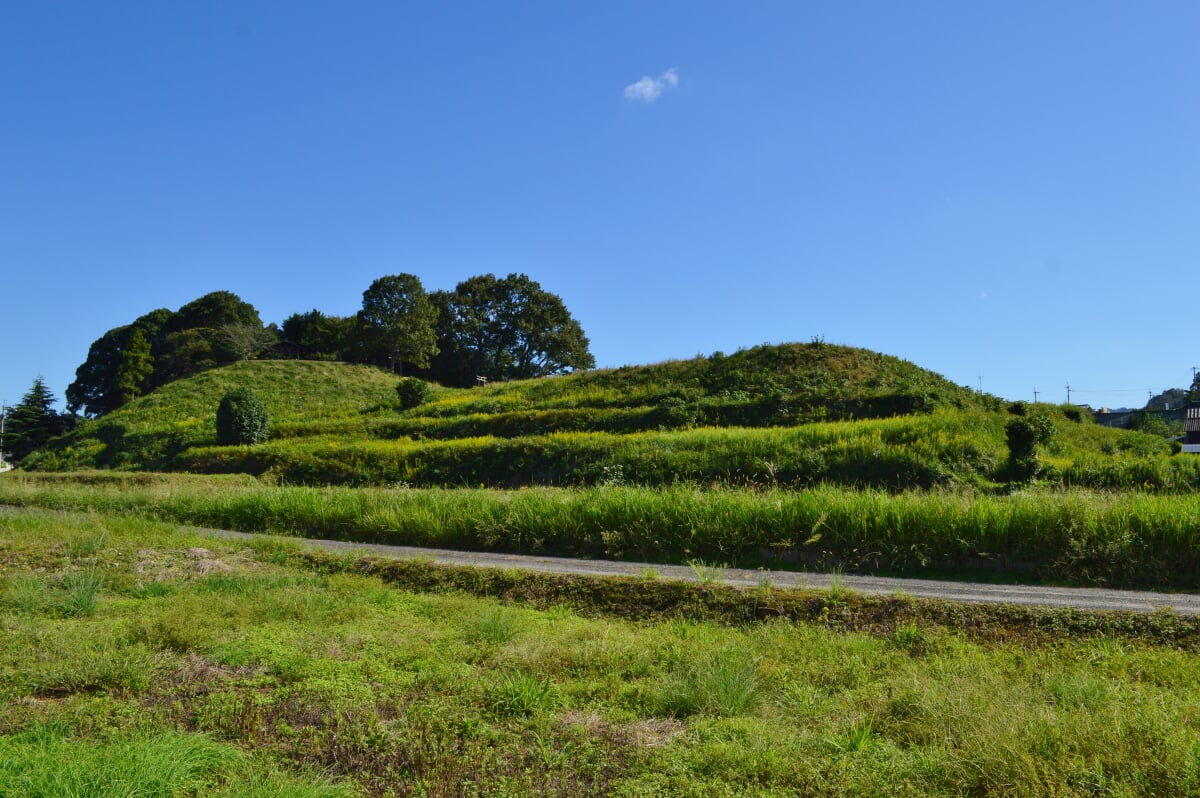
(1077, 536)
(918, 451)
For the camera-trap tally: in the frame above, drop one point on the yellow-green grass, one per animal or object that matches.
(148, 431)
(231, 671)
(1130, 539)
(916, 451)
(337, 424)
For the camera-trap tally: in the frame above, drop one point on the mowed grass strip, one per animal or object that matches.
(1079, 537)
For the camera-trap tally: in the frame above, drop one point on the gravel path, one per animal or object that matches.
(1083, 598)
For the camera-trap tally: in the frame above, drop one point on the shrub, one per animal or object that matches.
(674, 412)
(1079, 415)
(1023, 435)
(242, 418)
(412, 392)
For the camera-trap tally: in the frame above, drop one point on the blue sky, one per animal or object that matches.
(1006, 193)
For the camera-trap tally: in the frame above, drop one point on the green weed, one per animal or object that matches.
(81, 589)
(522, 694)
(496, 626)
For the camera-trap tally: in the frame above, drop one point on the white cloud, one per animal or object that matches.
(648, 89)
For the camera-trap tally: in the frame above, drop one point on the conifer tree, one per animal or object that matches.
(31, 423)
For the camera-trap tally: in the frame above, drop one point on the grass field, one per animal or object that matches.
(131, 653)
(137, 659)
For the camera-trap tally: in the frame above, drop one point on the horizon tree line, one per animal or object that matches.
(495, 328)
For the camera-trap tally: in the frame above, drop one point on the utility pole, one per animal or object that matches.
(1035, 395)
(3, 418)
(1068, 393)
(980, 382)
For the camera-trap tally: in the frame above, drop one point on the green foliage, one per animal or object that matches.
(192, 339)
(1079, 415)
(1152, 423)
(31, 423)
(1024, 434)
(505, 329)
(412, 392)
(100, 386)
(242, 418)
(396, 323)
(674, 411)
(134, 367)
(242, 340)
(321, 336)
(1172, 398)
(522, 694)
(163, 346)
(793, 415)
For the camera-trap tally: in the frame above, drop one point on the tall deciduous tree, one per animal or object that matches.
(396, 323)
(506, 329)
(32, 422)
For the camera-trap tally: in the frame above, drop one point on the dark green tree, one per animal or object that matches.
(31, 423)
(397, 322)
(135, 364)
(115, 369)
(321, 336)
(192, 339)
(506, 329)
(242, 418)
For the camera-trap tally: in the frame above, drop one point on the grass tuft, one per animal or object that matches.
(81, 591)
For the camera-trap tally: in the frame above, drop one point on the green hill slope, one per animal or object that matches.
(796, 414)
(151, 430)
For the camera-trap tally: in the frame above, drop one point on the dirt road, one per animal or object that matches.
(1076, 597)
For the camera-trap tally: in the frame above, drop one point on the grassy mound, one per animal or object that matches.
(150, 431)
(790, 415)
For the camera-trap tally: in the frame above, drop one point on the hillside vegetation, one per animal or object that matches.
(790, 415)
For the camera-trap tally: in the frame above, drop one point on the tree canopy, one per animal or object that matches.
(321, 336)
(116, 367)
(505, 329)
(501, 329)
(162, 346)
(396, 323)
